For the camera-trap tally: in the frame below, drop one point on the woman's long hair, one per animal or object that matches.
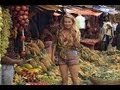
(74, 30)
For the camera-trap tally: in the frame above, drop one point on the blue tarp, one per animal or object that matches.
(105, 9)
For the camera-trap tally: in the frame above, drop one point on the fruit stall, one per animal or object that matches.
(91, 43)
(39, 68)
(94, 67)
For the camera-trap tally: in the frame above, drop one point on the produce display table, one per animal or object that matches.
(91, 43)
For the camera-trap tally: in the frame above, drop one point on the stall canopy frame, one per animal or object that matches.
(41, 8)
(82, 10)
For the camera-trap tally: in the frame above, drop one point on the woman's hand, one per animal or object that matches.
(20, 62)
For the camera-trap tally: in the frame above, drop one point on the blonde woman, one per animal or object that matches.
(68, 41)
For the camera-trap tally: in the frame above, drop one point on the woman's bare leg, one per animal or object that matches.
(64, 74)
(74, 74)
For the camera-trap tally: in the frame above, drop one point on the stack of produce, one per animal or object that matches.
(29, 73)
(107, 68)
(90, 65)
(1, 26)
(107, 74)
(92, 56)
(26, 73)
(5, 26)
(1, 19)
(20, 16)
(52, 77)
(38, 67)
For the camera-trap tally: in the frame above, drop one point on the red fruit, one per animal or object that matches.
(21, 28)
(17, 25)
(22, 22)
(26, 24)
(27, 20)
(26, 13)
(23, 54)
(22, 38)
(27, 8)
(17, 8)
(20, 18)
(21, 12)
(24, 8)
(25, 17)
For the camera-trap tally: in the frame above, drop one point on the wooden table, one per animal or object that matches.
(90, 43)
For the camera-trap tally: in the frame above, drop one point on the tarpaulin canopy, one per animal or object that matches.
(40, 8)
(82, 11)
(106, 9)
(48, 7)
(87, 6)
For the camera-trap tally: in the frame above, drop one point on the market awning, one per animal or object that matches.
(48, 7)
(83, 11)
(86, 6)
(106, 9)
(40, 8)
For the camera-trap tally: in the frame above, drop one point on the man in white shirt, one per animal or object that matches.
(81, 24)
(107, 34)
(80, 21)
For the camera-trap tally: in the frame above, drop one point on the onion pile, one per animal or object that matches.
(20, 16)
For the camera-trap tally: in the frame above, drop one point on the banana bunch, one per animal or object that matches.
(1, 19)
(1, 26)
(18, 80)
(5, 33)
(51, 80)
(27, 75)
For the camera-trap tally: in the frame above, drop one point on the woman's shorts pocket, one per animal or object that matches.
(72, 54)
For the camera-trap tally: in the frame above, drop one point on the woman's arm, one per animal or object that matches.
(76, 36)
(9, 61)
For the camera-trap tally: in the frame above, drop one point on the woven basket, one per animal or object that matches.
(97, 81)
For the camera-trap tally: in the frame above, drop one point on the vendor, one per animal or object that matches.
(8, 62)
(107, 35)
(50, 34)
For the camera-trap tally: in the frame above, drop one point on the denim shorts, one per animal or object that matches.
(71, 60)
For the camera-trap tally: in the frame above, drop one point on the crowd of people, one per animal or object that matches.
(110, 34)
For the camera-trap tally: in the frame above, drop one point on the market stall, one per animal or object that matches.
(91, 43)
(38, 64)
(39, 69)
